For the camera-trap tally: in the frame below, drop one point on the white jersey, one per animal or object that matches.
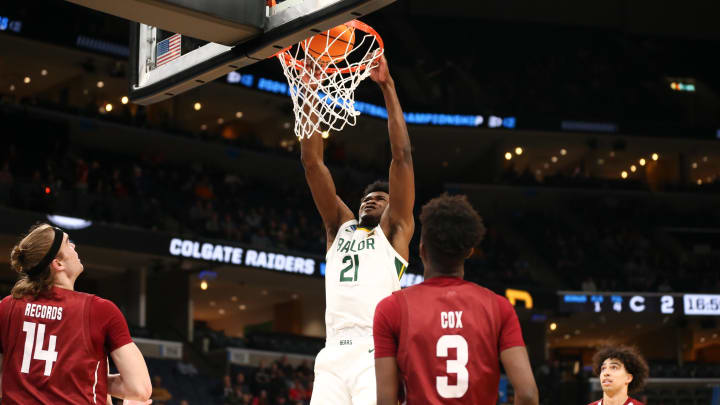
(362, 268)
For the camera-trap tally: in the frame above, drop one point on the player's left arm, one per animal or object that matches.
(386, 378)
(397, 221)
(516, 362)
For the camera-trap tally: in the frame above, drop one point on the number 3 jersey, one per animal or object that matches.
(362, 269)
(55, 347)
(447, 335)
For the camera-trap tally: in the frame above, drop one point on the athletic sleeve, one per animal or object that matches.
(3, 316)
(386, 327)
(510, 332)
(109, 328)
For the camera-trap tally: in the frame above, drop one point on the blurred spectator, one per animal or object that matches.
(159, 393)
(262, 398)
(241, 384)
(588, 284)
(226, 388)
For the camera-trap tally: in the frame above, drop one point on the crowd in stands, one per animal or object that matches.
(276, 383)
(604, 245)
(280, 383)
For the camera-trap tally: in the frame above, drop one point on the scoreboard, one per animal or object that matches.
(640, 303)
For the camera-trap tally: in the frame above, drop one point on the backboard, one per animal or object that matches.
(176, 45)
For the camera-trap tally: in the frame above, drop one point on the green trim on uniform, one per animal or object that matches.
(399, 268)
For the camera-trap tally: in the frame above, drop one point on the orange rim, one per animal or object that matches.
(300, 65)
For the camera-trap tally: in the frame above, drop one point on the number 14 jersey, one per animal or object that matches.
(362, 269)
(55, 347)
(447, 335)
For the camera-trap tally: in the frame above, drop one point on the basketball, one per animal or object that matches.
(331, 45)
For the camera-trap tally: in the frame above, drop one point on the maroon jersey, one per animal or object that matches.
(55, 347)
(447, 335)
(629, 401)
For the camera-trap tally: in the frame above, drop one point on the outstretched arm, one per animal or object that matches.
(133, 380)
(517, 367)
(386, 376)
(332, 209)
(397, 222)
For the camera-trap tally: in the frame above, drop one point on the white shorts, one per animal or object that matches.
(345, 373)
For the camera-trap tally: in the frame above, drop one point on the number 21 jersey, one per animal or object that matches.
(362, 269)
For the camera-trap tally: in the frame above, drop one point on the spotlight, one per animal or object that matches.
(508, 155)
(624, 174)
(100, 84)
(554, 159)
(694, 165)
(43, 72)
(12, 87)
(238, 114)
(108, 107)
(26, 80)
(242, 307)
(203, 127)
(325, 134)
(563, 151)
(655, 156)
(518, 151)
(203, 285)
(197, 106)
(633, 168)
(642, 162)
(553, 326)
(220, 121)
(699, 182)
(124, 100)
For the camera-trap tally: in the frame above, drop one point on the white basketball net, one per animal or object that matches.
(323, 92)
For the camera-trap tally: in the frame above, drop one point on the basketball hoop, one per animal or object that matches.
(323, 72)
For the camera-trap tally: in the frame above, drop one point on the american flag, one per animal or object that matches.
(167, 50)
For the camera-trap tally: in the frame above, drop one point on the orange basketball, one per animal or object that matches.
(331, 45)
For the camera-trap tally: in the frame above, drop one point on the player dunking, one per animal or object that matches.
(446, 336)
(622, 370)
(55, 341)
(365, 258)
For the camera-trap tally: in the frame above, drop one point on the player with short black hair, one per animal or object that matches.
(622, 371)
(446, 337)
(452, 228)
(366, 257)
(378, 185)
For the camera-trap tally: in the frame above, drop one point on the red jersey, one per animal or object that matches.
(629, 401)
(55, 347)
(447, 335)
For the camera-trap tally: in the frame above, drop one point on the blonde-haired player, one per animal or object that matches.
(365, 258)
